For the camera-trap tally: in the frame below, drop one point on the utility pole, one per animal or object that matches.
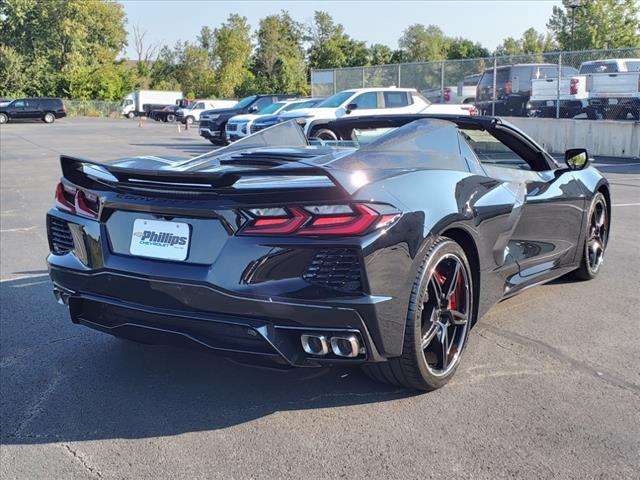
(573, 7)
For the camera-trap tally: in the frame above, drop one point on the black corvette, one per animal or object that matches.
(382, 252)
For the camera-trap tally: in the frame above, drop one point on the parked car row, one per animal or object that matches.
(608, 88)
(221, 126)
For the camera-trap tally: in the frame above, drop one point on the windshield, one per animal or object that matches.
(245, 101)
(273, 108)
(336, 100)
(297, 106)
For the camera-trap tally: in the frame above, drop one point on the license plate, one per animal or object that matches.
(159, 239)
(550, 103)
(613, 101)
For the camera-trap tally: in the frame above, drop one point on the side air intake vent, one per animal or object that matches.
(60, 238)
(337, 268)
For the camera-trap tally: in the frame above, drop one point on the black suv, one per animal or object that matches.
(213, 122)
(513, 87)
(45, 109)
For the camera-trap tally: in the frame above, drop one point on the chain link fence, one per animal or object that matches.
(92, 108)
(584, 84)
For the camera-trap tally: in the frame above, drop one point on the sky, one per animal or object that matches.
(487, 22)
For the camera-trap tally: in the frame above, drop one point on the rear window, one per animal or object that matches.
(599, 67)
(49, 103)
(471, 81)
(395, 99)
(487, 78)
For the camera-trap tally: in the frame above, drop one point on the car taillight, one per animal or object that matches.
(507, 88)
(447, 94)
(573, 88)
(74, 200)
(345, 220)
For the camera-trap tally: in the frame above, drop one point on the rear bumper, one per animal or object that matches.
(258, 331)
(549, 106)
(615, 102)
(196, 303)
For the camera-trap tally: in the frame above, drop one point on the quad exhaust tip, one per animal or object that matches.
(314, 344)
(347, 346)
(61, 296)
(341, 345)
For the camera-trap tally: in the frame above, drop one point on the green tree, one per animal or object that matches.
(63, 42)
(535, 42)
(356, 52)
(531, 43)
(194, 72)
(327, 42)
(597, 24)
(458, 48)
(422, 43)
(233, 50)
(379, 54)
(279, 57)
(13, 77)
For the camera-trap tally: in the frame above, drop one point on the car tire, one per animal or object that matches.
(49, 117)
(170, 118)
(131, 115)
(189, 120)
(595, 239)
(324, 134)
(426, 363)
(3, 118)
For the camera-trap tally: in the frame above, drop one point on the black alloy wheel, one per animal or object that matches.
(441, 312)
(596, 239)
(445, 315)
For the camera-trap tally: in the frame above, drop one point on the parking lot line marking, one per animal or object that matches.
(21, 229)
(30, 284)
(626, 205)
(23, 277)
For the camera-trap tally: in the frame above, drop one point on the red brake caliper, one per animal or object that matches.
(453, 301)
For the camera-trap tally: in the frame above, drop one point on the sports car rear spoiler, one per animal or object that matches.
(227, 179)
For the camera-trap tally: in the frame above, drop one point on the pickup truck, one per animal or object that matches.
(544, 97)
(614, 87)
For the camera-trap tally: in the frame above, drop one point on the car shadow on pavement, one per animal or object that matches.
(64, 382)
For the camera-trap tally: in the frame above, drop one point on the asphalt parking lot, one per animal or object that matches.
(549, 386)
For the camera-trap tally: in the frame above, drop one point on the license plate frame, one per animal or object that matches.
(160, 239)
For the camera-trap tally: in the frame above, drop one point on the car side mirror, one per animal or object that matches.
(576, 158)
(253, 109)
(351, 107)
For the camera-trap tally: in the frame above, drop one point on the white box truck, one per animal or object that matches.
(141, 102)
